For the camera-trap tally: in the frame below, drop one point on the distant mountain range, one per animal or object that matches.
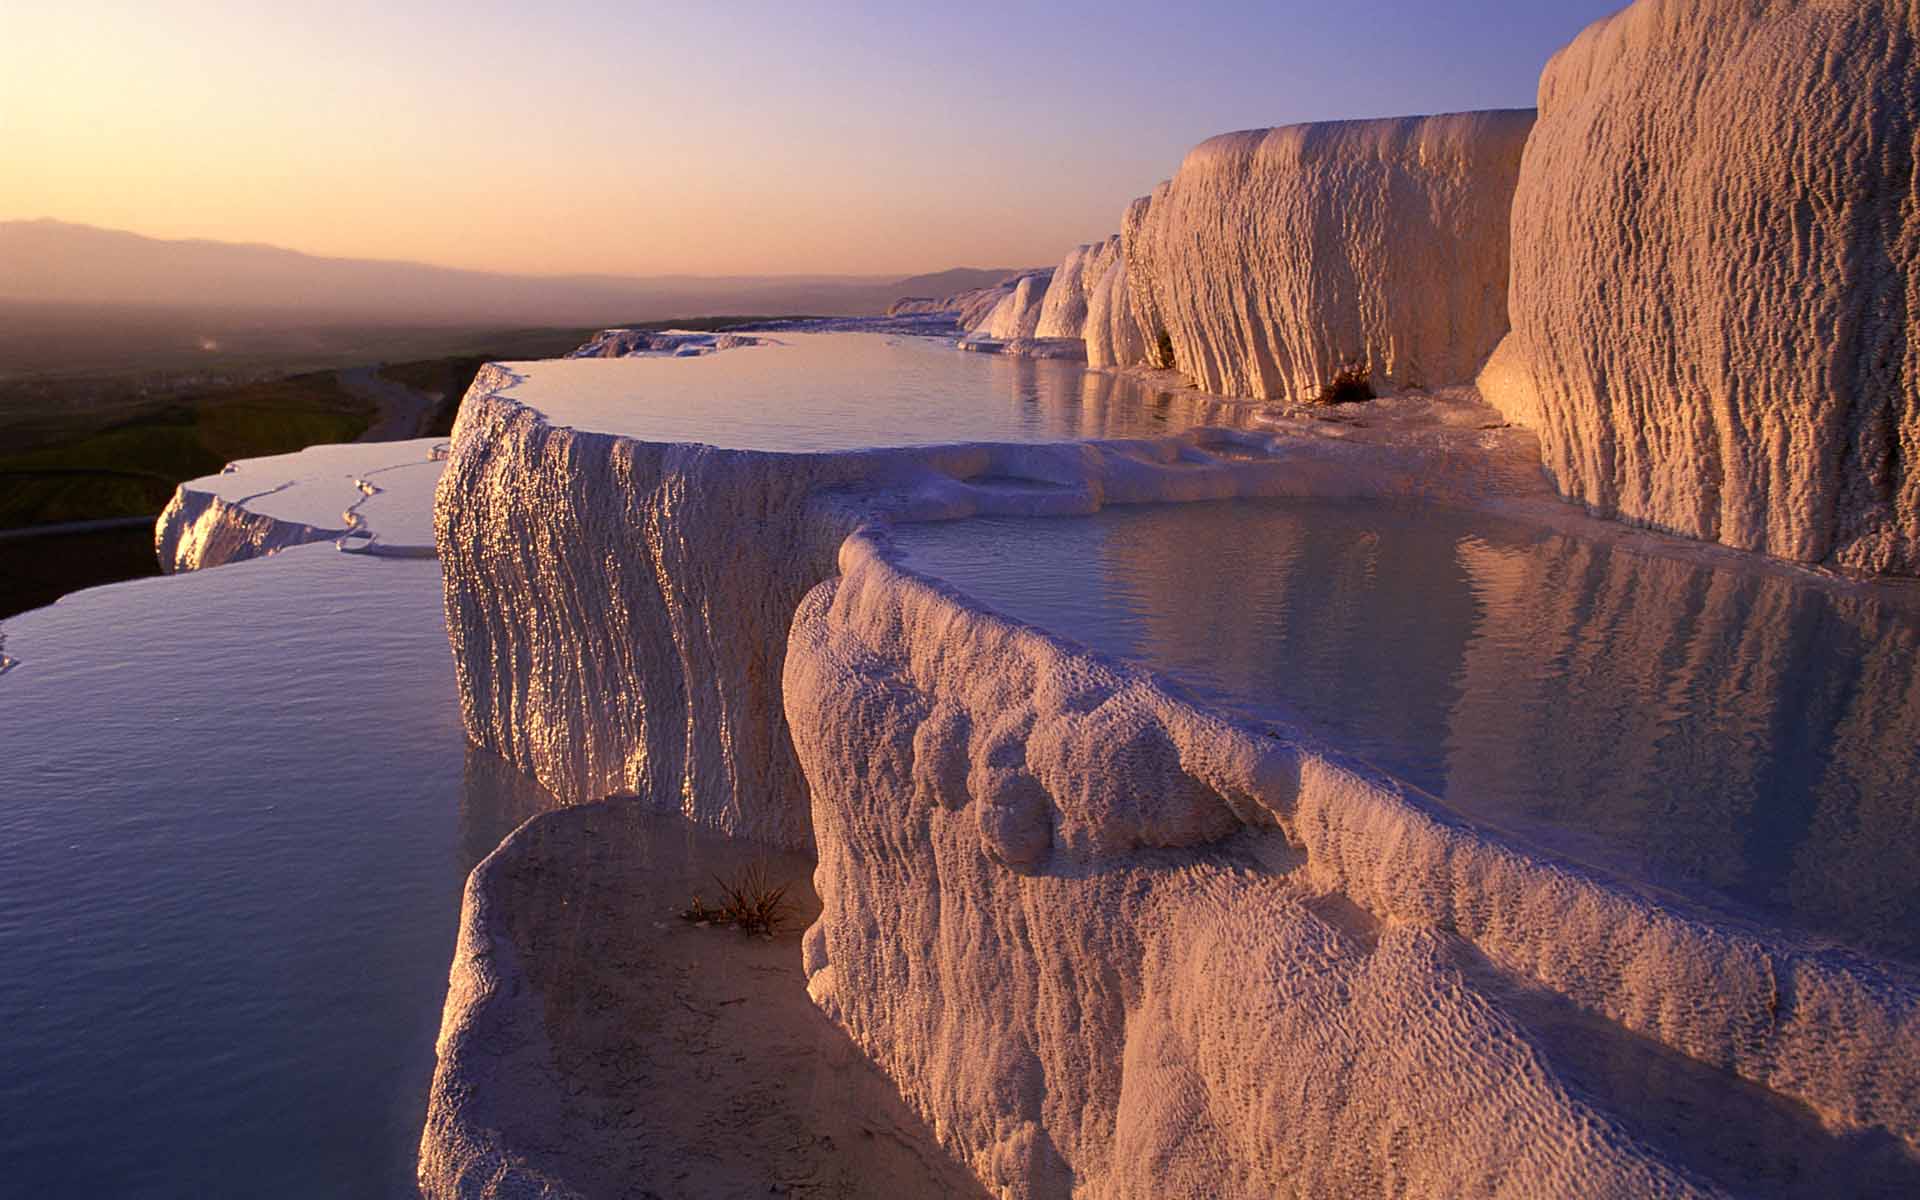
(53, 262)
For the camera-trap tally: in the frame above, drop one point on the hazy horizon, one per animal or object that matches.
(52, 265)
(592, 139)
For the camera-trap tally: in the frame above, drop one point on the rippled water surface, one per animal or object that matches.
(840, 391)
(236, 816)
(1747, 738)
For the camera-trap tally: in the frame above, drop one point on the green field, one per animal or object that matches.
(130, 466)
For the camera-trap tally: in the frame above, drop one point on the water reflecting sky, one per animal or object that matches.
(238, 809)
(1746, 738)
(840, 391)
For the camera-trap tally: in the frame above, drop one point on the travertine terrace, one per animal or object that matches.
(1714, 273)
(1107, 940)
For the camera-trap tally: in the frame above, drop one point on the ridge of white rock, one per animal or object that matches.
(970, 309)
(1063, 313)
(1113, 334)
(603, 646)
(1716, 272)
(1156, 952)
(1093, 1005)
(1275, 257)
(1017, 313)
(370, 497)
(674, 343)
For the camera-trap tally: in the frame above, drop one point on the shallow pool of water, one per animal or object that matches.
(1747, 738)
(237, 812)
(841, 391)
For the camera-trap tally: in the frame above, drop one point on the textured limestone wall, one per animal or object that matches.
(1067, 912)
(1274, 257)
(199, 529)
(619, 609)
(368, 496)
(1017, 313)
(1109, 944)
(1113, 334)
(1063, 314)
(1715, 235)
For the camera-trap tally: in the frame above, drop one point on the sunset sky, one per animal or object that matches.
(744, 138)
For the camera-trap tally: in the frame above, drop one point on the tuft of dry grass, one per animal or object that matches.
(752, 902)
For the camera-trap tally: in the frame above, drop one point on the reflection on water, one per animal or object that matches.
(1746, 737)
(838, 391)
(237, 813)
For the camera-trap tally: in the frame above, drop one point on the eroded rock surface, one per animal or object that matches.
(1275, 257)
(370, 497)
(1108, 943)
(1063, 314)
(1716, 242)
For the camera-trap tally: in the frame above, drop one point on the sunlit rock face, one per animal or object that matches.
(677, 343)
(1110, 944)
(1714, 277)
(371, 497)
(1063, 314)
(1275, 257)
(618, 609)
(1112, 331)
(1069, 914)
(1017, 314)
(1107, 941)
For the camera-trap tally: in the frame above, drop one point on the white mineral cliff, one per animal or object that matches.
(1083, 1007)
(1108, 941)
(1063, 314)
(621, 614)
(602, 644)
(676, 343)
(1275, 257)
(1113, 334)
(1716, 254)
(371, 497)
(1017, 315)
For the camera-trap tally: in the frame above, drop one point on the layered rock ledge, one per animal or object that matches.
(1715, 272)
(1102, 938)
(370, 497)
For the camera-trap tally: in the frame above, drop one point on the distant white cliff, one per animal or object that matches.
(370, 497)
(1716, 277)
(1276, 258)
(678, 343)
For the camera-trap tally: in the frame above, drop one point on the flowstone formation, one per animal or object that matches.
(368, 497)
(1274, 259)
(1716, 264)
(1111, 943)
(1149, 916)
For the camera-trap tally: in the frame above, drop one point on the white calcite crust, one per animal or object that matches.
(1113, 333)
(1017, 314)
(371, 497)
(1068, 913)
(1109, 943)
(1716, 266)
(1063, 314)
(1274, 257)
(665, 343)
(619, 608)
